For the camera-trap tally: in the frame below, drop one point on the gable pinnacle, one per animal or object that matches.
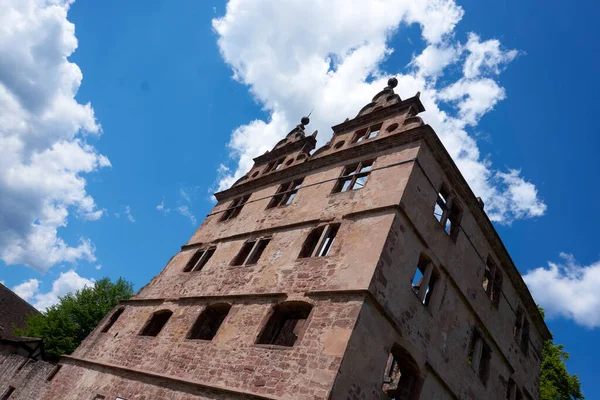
(392, 82)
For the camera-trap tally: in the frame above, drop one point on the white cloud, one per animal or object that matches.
(334, 66)
(98, 267)
(43, 132)
(185, 211)
(567, 289)
(27, 289)
(67, 282)
(162, 208)
(128, 214)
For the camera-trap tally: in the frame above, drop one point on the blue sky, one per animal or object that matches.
(109, 178)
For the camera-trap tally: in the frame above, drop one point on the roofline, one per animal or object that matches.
(20, 299)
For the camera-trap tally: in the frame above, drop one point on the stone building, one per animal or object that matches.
(366, 269)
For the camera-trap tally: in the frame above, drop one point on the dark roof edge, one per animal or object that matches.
(20, 299)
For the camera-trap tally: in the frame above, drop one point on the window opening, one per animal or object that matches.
(492, 281)
(401, 375)
(521, 331)
(319, 241)
(234, 208)
(113, 318)
(424, 280)
(275, 165)
(199, 259)
(156, 322)
(208, 323)
(8, 393)
(286, 323)
(368, 133)
(354, 177)
(251, 251)
(53, 373)
(480, 355)
(448, 213)
(285, 194)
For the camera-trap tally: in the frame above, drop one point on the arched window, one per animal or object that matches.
(156, 322)
(401, 378)
(209, 321)
(286, 323)
(113, 318)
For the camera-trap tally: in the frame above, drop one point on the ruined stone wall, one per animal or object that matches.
(27, 376)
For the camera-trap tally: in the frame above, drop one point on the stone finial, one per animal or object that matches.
(392, 82)
(305, 121)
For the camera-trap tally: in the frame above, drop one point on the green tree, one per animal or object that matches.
(63, 326)
(555, 381)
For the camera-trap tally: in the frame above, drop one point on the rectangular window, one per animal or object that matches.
(8, 393)
(480, 356)
(367, 133)
(285, 194)
(424, 280)
(234, 208)
(251, 251)
(319, 241)
(448, 212)
(274, 166)
(521, 331)
(354, 177)
(53, 372)
(199, 259)
(492, 281)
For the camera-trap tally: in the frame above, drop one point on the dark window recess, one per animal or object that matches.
(492, 281)
(275, 165)
(113, 318)
(368, 133)
(156, 322)
(8, 393)
(23, 364)
(401, 375)
(53, 373)
(510, 388)
(234, 208)
(480, 356)
(448, 213)
(285, 324)
(424, 280)
(199, 259)
(209, 322)
(354, 177)
(319, 241)
(285, 194)
(521, 331)
(251, 251)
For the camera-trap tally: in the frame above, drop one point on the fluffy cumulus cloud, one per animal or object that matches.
(568, 289)
(327, 55)
(67, 282)
(43, 136)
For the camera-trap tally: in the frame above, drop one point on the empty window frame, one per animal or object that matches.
(113, 318)
(285, 194)
(286, 323)
(492, 281)
(251, 251)
(319, 241)
(448, 212)
(275, 165)
(401, 375)
(367, 133)
(354, 177)
(7, 393)
(199, 259)
(155, 323)
(521, 331)
(234, 208)
(424, 280)
(209, 321)
(53, 373)
(480, 356)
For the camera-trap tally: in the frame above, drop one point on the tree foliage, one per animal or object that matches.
(63, 326)
(555, 381)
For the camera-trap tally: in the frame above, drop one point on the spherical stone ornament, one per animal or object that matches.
(305, 121)
(392, 82)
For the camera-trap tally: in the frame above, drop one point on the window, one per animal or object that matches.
(480, 356)
(424, 280)
(113, 318)
(521, 331)
(401, 375)
(8, 393)
(209, 321)
(492, 281)
(319, 241)
(99, 397)
(199, 259)
(285, 194)
(275, 165)
(354, 177)
(448, 213)
(286, 323)
(510, 388)
(53, 373)
(367, 133)
(234, 208)
(251, 251)
(156, 322)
